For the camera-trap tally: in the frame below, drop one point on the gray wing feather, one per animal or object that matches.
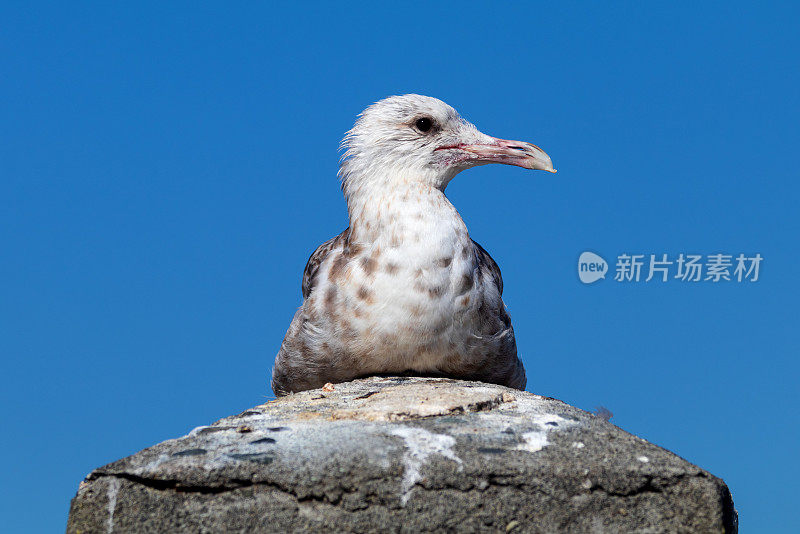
(485, 262)
(316, 259)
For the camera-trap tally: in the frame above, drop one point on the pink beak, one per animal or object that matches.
(519, 153)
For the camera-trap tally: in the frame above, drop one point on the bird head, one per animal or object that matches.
(420, 138)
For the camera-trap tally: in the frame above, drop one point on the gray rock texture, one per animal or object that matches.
(404, 455)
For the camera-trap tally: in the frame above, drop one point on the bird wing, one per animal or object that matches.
(316, 259)
(487, 264)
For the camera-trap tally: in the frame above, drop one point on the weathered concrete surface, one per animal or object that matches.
(404, 455)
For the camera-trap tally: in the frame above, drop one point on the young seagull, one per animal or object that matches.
(404, 290)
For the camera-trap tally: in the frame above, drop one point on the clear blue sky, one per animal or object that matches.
(166, 170)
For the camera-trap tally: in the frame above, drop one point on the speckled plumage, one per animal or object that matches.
(404, 289)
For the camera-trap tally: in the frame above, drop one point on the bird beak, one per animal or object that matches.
(519, 153)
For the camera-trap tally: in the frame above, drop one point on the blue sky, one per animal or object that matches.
(166, 170)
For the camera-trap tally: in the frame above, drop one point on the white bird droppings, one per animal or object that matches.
(113, 490)
(536, 440)
(578, 444)
(419, 445)
(643, 459)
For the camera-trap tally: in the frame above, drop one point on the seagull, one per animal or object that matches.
(404, 290)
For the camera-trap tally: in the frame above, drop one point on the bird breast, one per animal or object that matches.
(408, 277)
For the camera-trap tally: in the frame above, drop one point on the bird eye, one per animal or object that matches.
(424, 124)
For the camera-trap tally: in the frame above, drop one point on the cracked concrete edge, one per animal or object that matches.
(142, 509)
(651, 484)
(378, 497)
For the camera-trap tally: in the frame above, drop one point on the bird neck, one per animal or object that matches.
(408, 212)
